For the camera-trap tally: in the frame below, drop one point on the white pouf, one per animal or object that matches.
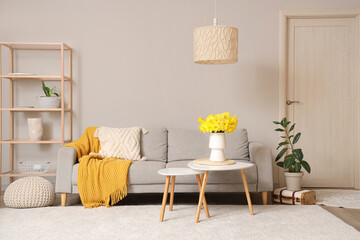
(29, 192)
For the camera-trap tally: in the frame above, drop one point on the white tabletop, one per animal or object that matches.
(178, 171)
(237, 166)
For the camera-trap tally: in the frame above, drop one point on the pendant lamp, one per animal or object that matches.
(215, 44)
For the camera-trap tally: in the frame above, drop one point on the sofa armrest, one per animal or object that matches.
(65, 161)
(261, 155)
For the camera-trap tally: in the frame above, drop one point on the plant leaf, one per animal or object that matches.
(280, 164)
(280, 154)
(279, 130)
(297, 167)
(287, 123)
(56, 94)
(43, 85)
(289, 156)
(306, 165)
(276, 122)
(289, 161)
(282, 144)
(50, 92)
(298, 154)
(292, 127)
(296, 138)
(45, 89)
(283, 121)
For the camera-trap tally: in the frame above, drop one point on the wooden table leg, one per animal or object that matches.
(247, 191)
(204, 201)
(166, 190)
(172, 193)
(201, 197)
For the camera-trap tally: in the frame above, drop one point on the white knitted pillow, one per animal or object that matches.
(120, 142)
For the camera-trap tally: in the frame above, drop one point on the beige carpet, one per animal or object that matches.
(141, 222)
(338, 198)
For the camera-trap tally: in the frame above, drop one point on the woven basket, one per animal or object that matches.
(34, 166)
(206, 161)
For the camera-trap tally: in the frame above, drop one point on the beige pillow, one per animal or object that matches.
(120, 142)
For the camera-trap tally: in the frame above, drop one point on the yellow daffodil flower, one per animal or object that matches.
(221, 122)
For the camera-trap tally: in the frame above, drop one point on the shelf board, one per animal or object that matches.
(19, 174)
(35, 45)
(35, 77)
(27, 141)
(34, 109)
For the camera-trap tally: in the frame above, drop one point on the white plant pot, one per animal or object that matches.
(35, 129)
(293, 180)
(49, 102)
(217, 145)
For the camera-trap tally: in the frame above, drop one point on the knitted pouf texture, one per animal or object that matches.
(29, 192)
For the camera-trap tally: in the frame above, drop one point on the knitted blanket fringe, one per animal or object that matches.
(114, 197)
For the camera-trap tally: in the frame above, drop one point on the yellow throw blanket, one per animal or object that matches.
(99, 179)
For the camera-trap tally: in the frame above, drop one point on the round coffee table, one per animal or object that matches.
(172, 172)
(240, 165)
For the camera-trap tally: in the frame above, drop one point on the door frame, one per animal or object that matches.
(284, 16)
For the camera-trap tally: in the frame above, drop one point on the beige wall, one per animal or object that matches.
(132, 62)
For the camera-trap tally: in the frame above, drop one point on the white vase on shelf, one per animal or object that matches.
(217, 145)
(35, 129)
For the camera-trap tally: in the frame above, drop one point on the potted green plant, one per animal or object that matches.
(293, 158)
(51, 98)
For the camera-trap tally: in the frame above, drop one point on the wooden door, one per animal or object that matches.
(321, 62)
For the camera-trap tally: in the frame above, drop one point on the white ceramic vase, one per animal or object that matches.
(217, 145)
(49, 102)
(35, 129)
(293, 180)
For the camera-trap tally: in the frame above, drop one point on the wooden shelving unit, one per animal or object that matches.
(41, 78)
(12, 46)
(34, 109)
(50, 173)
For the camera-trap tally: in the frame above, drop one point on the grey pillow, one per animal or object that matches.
(153, 145)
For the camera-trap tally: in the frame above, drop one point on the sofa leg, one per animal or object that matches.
(264, 197)
(63, 199)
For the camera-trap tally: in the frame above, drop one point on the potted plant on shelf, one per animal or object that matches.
(294, 160)
(51, 98)
(217, 125)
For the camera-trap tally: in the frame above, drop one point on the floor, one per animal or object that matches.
(350, 216)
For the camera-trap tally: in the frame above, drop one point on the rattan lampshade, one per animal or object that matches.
(215, 45)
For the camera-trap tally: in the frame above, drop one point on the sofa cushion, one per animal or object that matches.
(140, 172)
(153, 145)
(191, 144)
(237, 145)
(216, 177)
(145, 172)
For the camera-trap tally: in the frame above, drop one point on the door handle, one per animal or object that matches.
(288, 102)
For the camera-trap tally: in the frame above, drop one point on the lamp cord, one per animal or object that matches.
(215, 19)
(215, 7)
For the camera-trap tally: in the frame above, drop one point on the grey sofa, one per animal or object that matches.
(166, 148)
